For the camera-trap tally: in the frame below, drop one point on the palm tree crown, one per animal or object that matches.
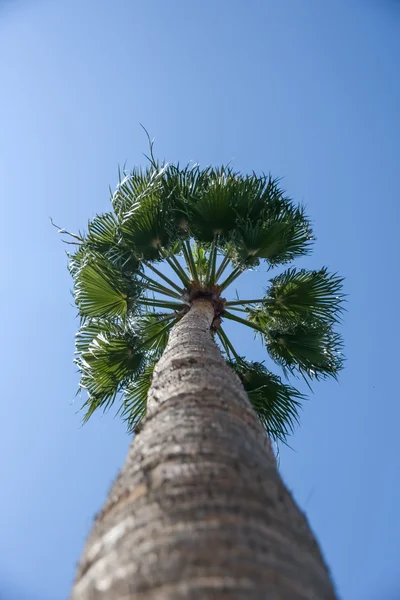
(208, 225)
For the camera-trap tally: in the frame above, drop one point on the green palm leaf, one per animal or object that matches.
(146, 228)
(90, 329)
(124, 259)
(310, 347)
(110, 359)
(101, 290)
(213, 213)
(133, 188)
(102, 232)
(154, 330)
(278, 239)
(182, 188)
(257, 197)
(276, 404)
(298, 294)
(134, 405)
(76, 260)
(104, 237)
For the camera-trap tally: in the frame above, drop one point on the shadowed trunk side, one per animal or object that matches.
(199, 510)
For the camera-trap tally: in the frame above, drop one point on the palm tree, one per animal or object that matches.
(199, 509)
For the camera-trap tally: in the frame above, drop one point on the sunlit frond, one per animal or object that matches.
(108, 361)
(146, 228)
(133, 187)
(101, 290)
(91, 329)
(102, 232)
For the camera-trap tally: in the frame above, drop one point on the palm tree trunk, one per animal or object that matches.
(199, 510)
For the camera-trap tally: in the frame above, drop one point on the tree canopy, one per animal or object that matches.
(208, 225)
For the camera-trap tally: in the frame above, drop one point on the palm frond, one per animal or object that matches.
(182, 187)
(101, 290)
(124, 258)
(253, 320)
(297, 294)
(133, 188)
(150, 284)
(164, 304)
(311, 348)
(213, 213)
(189, 259)
(76, 260)
(90, 329)
(175, 265)
(258, 197)
(278, 239)
(102, 232)
(134, 401)
(146, 227)
(108, 361)
(154, 330)
(104, 237)
(275, 403)
(234, 274)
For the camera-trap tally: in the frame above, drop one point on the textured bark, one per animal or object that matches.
(199, 510)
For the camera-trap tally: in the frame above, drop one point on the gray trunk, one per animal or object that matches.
(199, 510)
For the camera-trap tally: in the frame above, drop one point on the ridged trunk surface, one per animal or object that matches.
(199, 510)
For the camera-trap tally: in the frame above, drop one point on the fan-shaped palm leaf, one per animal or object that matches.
(108, 361)
(147, 228)
(154, 330)
(133, 188)
(102, 232)
(257, 198)
(213, 213)
(182, 188)
(298, 294)
(101, 290)
(104, 237)
(134, 402)
(276, 404)
(278, 239)
(90, 329)
(310, 347)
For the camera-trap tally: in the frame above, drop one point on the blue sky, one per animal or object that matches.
(307, 90)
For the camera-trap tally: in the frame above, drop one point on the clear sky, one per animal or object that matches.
(308, 90)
